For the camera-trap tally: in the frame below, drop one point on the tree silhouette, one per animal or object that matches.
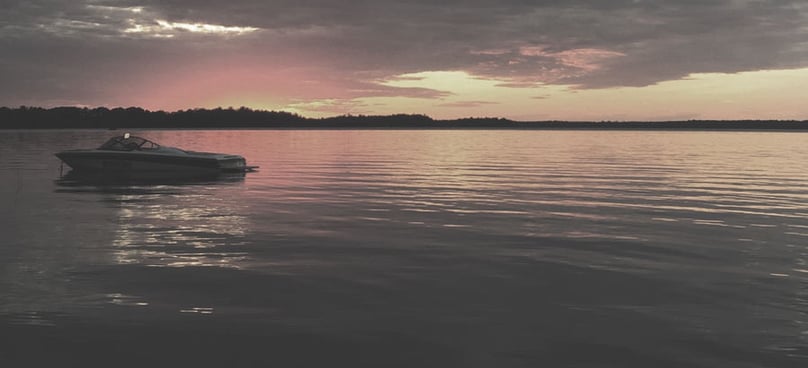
(25, 117)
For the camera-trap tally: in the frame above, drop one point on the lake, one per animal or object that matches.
(413, 248)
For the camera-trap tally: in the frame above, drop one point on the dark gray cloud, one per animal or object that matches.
(81, 50)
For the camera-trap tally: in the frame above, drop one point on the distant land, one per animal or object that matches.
(245, 118)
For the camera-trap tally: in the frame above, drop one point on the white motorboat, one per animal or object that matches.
(128, 154)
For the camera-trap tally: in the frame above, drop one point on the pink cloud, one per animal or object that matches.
(491, 52)
(466, 104)
(527, 66)
(585, 59)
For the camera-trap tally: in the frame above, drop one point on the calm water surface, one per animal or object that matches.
(414, 249)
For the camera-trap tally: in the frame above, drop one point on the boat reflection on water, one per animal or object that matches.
(79, 178)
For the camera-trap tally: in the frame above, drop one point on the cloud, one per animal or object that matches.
(587, 59)
(331, 107)
(93, 20)
(162, 28)
(467, 104)
(83, 50)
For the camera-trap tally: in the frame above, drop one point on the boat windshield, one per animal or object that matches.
(129, 143)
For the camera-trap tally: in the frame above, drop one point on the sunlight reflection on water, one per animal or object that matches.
(179, 231)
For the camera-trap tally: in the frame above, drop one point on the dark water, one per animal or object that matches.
(414, 249)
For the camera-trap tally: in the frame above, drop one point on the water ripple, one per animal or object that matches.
(700, 235)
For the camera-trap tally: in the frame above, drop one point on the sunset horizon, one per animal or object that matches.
(228, 116)
(626, 60)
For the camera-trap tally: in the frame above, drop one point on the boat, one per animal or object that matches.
(131, 155)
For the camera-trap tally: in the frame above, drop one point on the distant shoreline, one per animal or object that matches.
(34, 118)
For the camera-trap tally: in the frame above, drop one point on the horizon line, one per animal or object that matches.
(349, 115)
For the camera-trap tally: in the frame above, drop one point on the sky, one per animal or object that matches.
(519, 59)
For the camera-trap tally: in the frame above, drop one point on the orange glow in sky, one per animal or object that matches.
(776, 94)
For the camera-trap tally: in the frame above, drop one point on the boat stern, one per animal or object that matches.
(232, 163)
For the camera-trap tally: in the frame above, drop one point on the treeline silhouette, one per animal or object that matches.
(219, 118)
(135, 117)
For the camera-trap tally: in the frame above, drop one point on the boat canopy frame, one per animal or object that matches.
(128, 142)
